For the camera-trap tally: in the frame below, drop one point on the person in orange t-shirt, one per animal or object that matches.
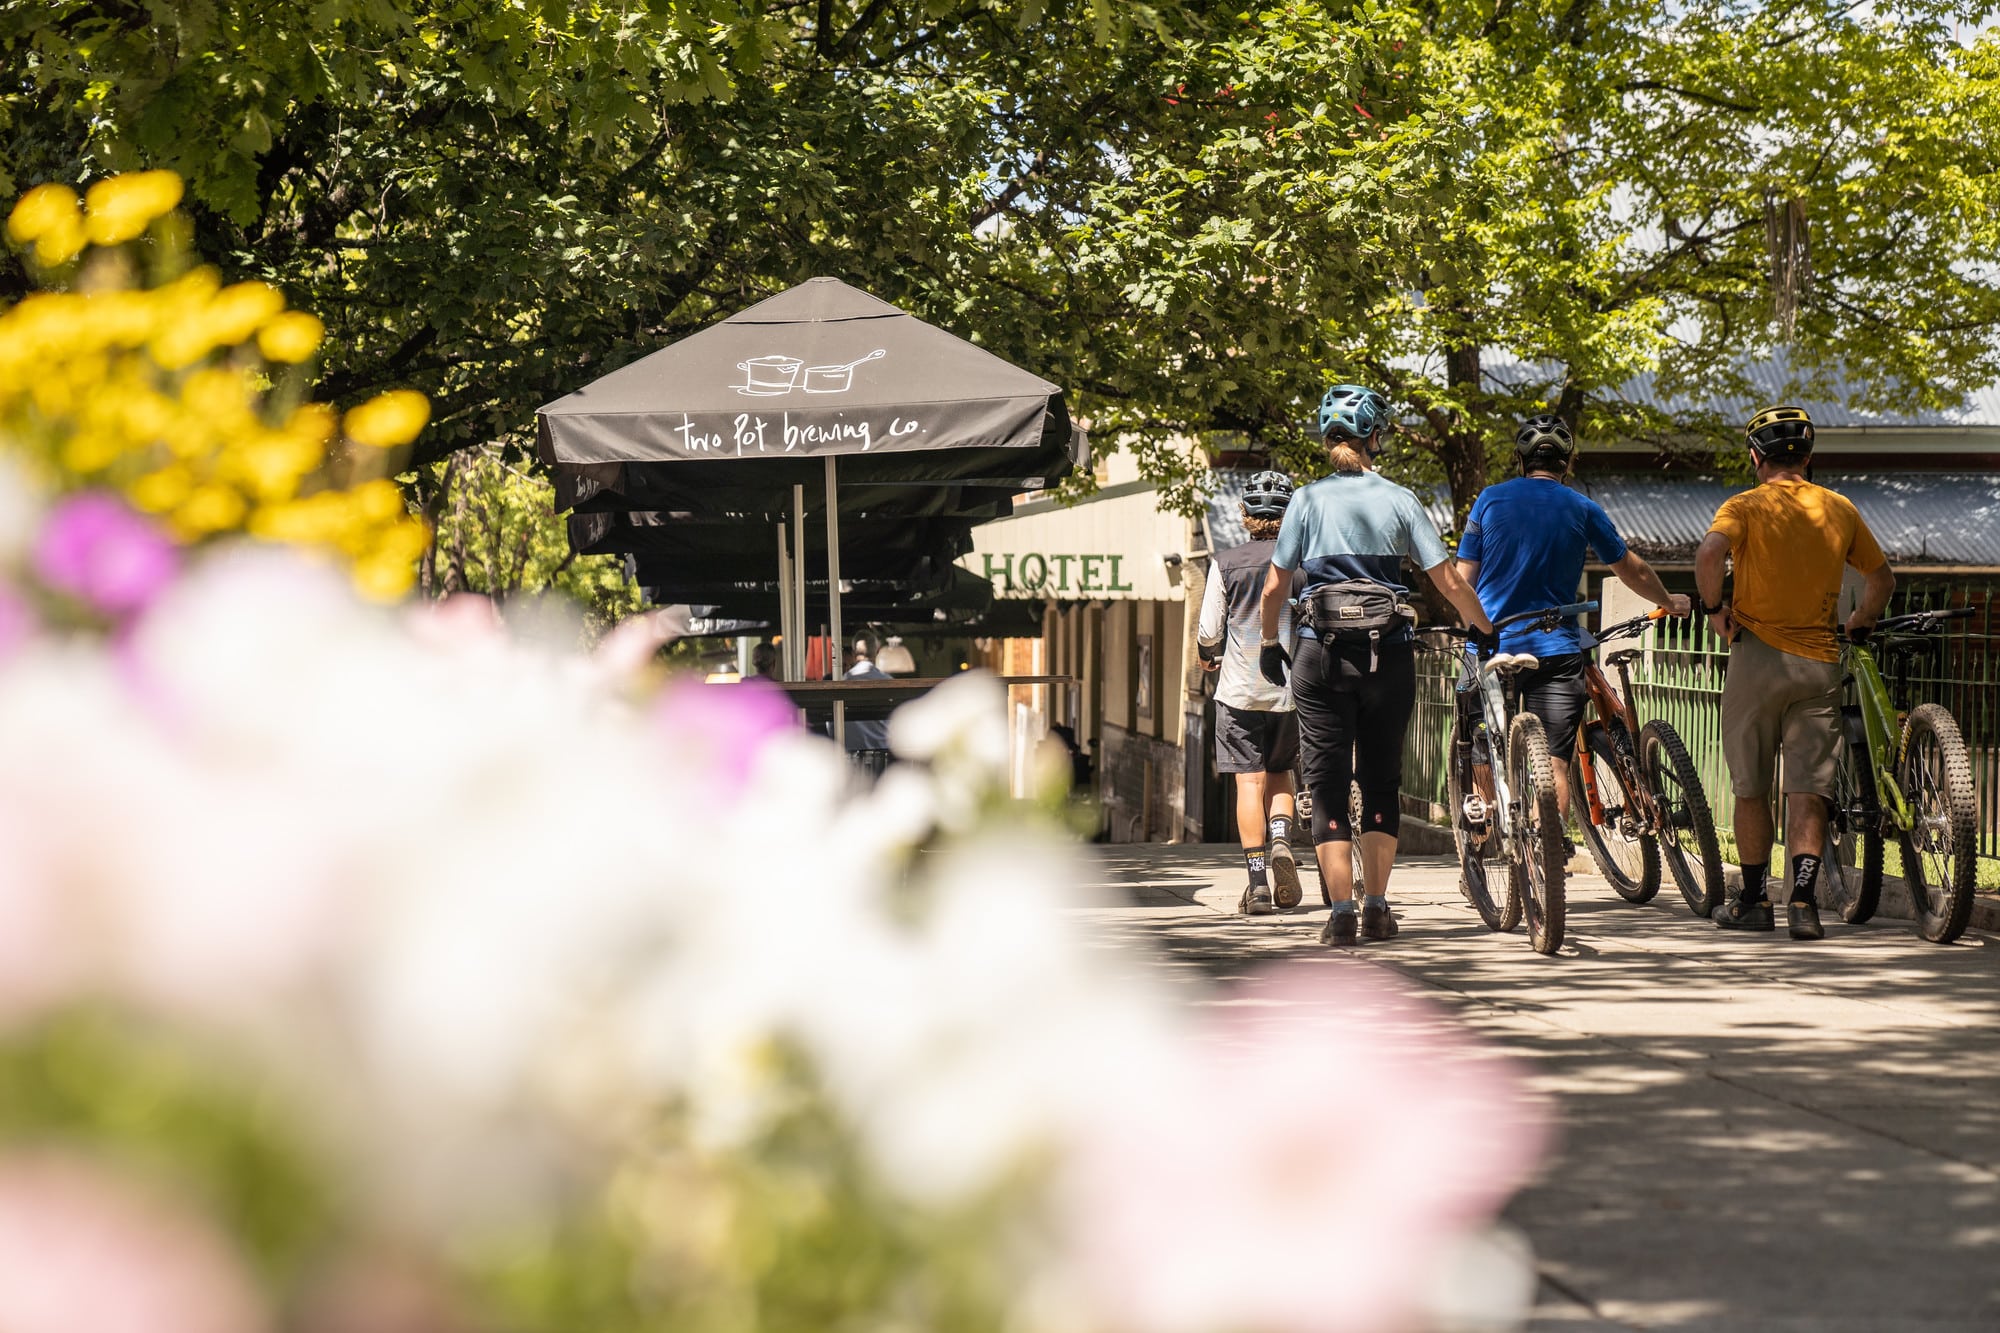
(1790, 541)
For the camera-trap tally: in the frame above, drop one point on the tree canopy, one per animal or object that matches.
(1193, 215)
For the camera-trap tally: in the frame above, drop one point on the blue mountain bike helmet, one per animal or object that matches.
(1267, 494)
(1351, 411)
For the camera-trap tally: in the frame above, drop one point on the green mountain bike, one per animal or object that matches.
(1906, 777)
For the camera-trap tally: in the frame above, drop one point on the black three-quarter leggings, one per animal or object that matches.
(1351, 725)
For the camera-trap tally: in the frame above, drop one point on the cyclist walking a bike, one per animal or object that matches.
(1790, 541)
(1524, 547)
(1256, 730)
(1354, 680)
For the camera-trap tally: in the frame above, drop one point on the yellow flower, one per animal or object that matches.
(159, 492)
(273, 464)
(312, 422)
(290, 337)
(59, 244)
(389, 419)
(121, 208)
(378, 501)
(44, 209)
(385, 576)
(238, 309)
(209, 509)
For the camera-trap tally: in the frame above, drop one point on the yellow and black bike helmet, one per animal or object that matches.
(1781, 434)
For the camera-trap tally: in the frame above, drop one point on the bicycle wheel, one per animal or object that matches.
(1688, 843)
(1940, 849)
(1354, 823)
(1625, 856)
(1851, 869)
(1486, 883)
(1539, 853)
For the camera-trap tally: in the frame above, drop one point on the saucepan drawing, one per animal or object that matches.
(836, 379)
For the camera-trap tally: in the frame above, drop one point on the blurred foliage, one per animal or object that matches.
(166, 1108)
(1192, 215)
(498, 533)
(138, 371)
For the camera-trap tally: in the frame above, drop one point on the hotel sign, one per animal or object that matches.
(1113, 546)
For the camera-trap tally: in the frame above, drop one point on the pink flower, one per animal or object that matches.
(1304, 1170)
(725, 726)
(80, 1250)
(95, 549)
(17, 622)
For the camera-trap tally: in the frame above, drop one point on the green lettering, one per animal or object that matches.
(1062, 571)
(1116, 586)
(1033, 582)
(1006, 575)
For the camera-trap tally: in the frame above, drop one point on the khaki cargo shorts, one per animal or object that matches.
(1774, 701)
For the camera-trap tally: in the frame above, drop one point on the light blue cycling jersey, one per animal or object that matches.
(1356, 526)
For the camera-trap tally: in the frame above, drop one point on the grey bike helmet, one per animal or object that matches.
(1544, 443)
(1267, 495)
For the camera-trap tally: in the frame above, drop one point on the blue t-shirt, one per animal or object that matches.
(1356, 526)
(1528, 536)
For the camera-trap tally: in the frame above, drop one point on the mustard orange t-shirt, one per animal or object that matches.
(1790, 539)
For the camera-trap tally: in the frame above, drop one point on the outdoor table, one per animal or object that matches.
(868, 700)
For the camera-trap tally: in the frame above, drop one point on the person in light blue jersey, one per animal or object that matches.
(1524, 547)
(1354, 683)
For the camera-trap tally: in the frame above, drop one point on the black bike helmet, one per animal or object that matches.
(1267, 495)
(1544, 443)
(1781, 434)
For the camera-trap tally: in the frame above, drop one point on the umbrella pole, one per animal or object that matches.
(797, 592)
(833, 594)
(786, 636)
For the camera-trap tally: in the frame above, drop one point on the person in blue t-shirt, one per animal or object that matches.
(1524, 549)
(1354, 688)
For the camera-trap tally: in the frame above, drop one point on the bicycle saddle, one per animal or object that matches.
(1513, 662)
(1622, 656)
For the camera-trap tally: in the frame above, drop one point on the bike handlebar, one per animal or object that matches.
(1917, 622)
(1636, 625)
(1548, 613)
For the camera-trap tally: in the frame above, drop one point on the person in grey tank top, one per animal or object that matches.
(1256, 729)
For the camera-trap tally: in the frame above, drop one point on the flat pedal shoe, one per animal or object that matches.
(1804, 921)
(1339, 928)
(1286, 890)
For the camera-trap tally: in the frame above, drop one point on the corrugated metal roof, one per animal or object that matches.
(1770, 384)
(1933, 518)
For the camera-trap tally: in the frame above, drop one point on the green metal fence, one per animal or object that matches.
(1679, 678)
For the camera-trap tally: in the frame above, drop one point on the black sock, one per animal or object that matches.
(1805, 878)
(1281, 828)
(1254, 858)
(1753, 882)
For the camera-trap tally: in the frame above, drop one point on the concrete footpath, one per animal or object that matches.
(1755, 1134)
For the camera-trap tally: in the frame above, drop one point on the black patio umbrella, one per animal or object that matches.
(817, 381)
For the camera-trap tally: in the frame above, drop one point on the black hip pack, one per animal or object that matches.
(1352, 610)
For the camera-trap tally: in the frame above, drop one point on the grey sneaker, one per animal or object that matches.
(1256, 900)
(1285, 885)
(1339, 928)
(1377, 923)
(1733, 915)
(1804, 921)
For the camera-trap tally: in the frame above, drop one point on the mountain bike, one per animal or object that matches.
(1304, 802)
(1521, 814)
(1905, 776)
(1635, 792)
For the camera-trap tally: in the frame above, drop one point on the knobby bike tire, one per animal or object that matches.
(1354, 826)
(1940, 850)
(1636, 877)
(1486, 882)
(1538, 845)
(1692, 852)
(1851, 868)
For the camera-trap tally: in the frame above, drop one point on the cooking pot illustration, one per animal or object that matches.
(768, 376)
(836, 379)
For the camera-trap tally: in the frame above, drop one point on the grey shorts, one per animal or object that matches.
(1248, 740)
(1775, 701)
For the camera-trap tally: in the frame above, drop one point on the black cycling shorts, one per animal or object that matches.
(1248, 740)
(1351, 727)
(1554, 693)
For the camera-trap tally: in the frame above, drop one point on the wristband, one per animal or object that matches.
(1715, 610)
(1270, 643)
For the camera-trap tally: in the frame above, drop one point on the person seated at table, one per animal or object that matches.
(764, 660)
(866, 735)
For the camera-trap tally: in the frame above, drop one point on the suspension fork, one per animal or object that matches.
(1877, 720)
